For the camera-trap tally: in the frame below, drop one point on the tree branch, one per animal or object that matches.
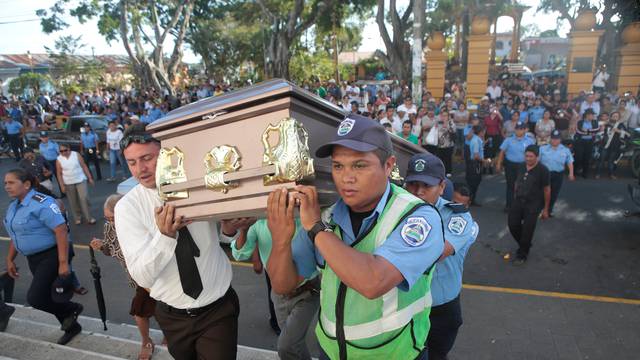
(124, 32)
(381, 25)
(154, 19)
(174, 20)
(266, 11)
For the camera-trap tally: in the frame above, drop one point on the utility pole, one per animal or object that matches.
(416, 68)
(334, 38)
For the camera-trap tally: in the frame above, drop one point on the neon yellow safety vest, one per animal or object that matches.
(393, 326)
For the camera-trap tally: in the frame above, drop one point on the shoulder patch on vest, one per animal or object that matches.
(415, 231)
(457, 224)
(457, 207)
(39, 198)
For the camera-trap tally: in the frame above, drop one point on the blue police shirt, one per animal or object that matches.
(16, 114)
(155, 114)
(30, 223)
(555, 159)
(514, 147)
(461, 232)
(536, 113)
(467, 129)
(524, 115)
(411, 259)
(88, 139)
(50, 150)
(13, 127)
(476, 146)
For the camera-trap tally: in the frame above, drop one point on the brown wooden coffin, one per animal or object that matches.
(219, 155)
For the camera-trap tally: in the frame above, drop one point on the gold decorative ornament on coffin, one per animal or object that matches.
(395, 175)
(170, 170)
(219, 161)
(290, 154)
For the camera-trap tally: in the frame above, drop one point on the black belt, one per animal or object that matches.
(194, 312)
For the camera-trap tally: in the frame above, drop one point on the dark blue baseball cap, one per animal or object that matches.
(555, 134)
(358, 133)
(521, 125)
(62, 289)
(425, 168)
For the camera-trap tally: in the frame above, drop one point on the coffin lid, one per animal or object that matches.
(263, 92)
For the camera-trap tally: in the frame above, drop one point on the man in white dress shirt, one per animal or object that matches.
(179, 262)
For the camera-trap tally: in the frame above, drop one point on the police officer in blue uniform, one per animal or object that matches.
(14, 131)
(475, 162)
(49, 149)
(362, 161)
(425, 179)
(512, 153)
(556, 157)
(586, 131)
(38, 231)
(89, 147)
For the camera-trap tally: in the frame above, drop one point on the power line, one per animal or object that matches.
(17, 21)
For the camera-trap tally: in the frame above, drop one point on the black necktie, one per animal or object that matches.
(186, 250)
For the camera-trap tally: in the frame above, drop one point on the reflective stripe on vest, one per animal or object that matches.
(392, 318)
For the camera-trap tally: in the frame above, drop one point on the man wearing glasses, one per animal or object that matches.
(180, 262)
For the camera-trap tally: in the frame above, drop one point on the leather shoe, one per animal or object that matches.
(70, 320)
(70, 334)
(5, 314)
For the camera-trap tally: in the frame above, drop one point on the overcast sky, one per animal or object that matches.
(22, 35)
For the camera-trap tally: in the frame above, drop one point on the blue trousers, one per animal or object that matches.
(116, 156)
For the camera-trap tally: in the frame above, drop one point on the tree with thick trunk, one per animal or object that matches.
(397, 57)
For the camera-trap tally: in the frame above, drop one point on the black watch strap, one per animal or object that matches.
(316, 229)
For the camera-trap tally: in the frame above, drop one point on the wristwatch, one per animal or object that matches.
(316, 229)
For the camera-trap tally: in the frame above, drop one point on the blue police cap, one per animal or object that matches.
(44, 134)
(425, 168)
(62, 289)
(358, 133)
(521, 125)
(555, 134)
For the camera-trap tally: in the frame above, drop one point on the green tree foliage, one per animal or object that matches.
(28, 81)
(223, 36)
(306, 66)
(69, 72)
(142, 27)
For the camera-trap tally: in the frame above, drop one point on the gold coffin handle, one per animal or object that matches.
(219, 161)
(290, 155)
(170, 170)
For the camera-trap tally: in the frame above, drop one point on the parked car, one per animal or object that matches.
(71, 134)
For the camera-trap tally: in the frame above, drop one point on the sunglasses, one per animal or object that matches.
(137, 139)
(64, 151)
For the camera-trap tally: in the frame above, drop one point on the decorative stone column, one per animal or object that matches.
(436, 61)
(583, 52)
(629, 59)
(478, 61)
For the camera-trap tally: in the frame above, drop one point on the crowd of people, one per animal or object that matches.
(353, 255)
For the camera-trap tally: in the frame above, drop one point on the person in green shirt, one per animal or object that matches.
(320, 90)
(294, 311)
(406, 133)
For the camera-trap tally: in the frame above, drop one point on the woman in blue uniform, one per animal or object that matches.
(39, 232)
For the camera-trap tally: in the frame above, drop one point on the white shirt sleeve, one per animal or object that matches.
(146, 252)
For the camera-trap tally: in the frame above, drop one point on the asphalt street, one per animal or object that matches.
(587, 254)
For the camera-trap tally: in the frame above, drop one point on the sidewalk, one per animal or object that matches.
(514, 326)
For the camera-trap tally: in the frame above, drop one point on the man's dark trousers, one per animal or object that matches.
(522, 221)
(212, 335)
(445, 320)
(555, 182)
(511, 175)
(473, 176)
(15, 141)
(91, 155)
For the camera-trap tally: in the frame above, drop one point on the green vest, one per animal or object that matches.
(393, 326)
